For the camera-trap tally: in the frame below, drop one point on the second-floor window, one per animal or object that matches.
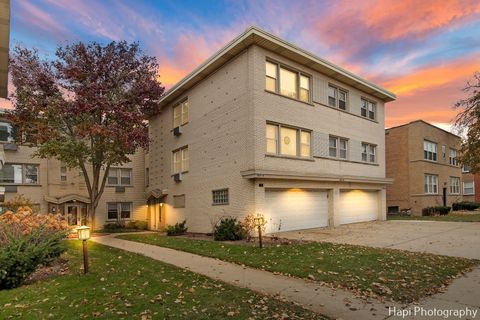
(287, 82)
(466, 168)
(180, 160)
(119, 176)
(369, 152)
(337, 97)
(452, 159)
(180, 114)
(19, 173)
(468, 188)
(454, 185)
(429, 150)
(63, 173)
(6, 132)
(368, 109)
(431, 184)
(288, 141)
(337, 147)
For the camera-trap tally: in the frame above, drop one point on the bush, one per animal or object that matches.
(177, 229)
(432, 211)
(465, 205)
(229, 229)
(114, 226)
(28, 240)
(137, 224)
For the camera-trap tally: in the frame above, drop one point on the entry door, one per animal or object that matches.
(155, 209)
(73, 215)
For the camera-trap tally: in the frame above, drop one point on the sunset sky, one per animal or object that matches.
(424, 51)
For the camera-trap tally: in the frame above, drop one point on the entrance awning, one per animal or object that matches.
(67, 198)
(156, 193)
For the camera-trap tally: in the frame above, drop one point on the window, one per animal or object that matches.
(180, 114)
(287, 82)
(119, 176)
(119, 210)
(429, 150)
(452, 159)
(431, 184)
(337, 147)
(468, 188)
(179, 201)
(337, 98)
(220, 196)
(19, 173)
(454, 185)
(6, 132)
(466, 168)
(63, 173)
(444, 152)
(369, 152)
(180, 160)
(368, 109)
(283, 140)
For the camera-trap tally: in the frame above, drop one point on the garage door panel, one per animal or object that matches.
(295, 209)
(358, 206)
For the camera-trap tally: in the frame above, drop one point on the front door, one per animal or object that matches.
(73, 215)
(444, 198)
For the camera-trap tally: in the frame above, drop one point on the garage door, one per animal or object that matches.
(358, 206)
(295, 209)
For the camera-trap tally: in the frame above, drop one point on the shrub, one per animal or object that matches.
(137, 224)
(177, 229)
(28, 240)
(439, 210)
(19, 201)
(229, 229)
(114, 225)
(465, 205)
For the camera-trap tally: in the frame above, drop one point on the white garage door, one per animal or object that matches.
(295, 209)
(358, 206)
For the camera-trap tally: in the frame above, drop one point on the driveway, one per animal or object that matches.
(458, 239)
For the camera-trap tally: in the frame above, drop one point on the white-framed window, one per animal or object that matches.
(369, 152)
(466, 168)
(452, 159)
(368, 109)
(431, 184)
(454, 185)
(287, 81)
(6, 132)
(180, 114)
(19, 173)
(180, 159)
(468, 188)
(429, 150)
(337, 147)
(220, 196)
(119, 210)
(288, 141)
(337, 97)
(119, 177)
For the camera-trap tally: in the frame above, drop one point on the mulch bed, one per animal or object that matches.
(57, 268)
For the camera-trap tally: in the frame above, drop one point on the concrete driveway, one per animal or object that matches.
(458, 239)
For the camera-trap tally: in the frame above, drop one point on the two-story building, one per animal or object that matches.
(422, 161)
(265, 127)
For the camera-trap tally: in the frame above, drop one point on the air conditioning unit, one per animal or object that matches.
(177, 131)
(177, 177)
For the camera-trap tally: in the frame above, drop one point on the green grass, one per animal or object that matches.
(451, 217)
(123, 285)
(394, 274)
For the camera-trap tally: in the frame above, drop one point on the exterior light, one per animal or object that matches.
(259, 222)
(84, 234)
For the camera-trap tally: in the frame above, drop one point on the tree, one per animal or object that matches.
(468, 122)
(86, 107)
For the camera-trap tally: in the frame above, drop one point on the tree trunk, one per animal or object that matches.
(91, 216)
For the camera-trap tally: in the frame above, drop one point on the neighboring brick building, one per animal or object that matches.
(266, 127)
(422, 160)
(470, 185)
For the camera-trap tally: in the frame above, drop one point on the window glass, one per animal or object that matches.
(455, 185)
(185, 112)
(372, 153)
(220, 196)
(364, 108)
(177, 164)
(468, 188)
(305, 144)
(288, 83)
(6, 132)
(112, 176)
(271, 76)
(332, 96)
(31, 174)
(185, 159)
(304, 88)
(332, 143)
(343, 149)
(177, 116)
(125, 210)
(288, 141)
(364, 151)
(342, 100)
(112, 211)
(272, 137)
(125, 178)
(371, 110)
(11, 173)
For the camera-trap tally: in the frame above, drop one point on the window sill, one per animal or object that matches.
(289, 157)
(220, 204)
(171, 130)
(116, 220)
(349, 161)
(347, 111)
(178, 173)
(119, 185)
(293, 99)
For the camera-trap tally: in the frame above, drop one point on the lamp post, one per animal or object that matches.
(259, 222)
(84, 234)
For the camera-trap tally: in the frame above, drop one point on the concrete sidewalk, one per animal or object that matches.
(333, 303)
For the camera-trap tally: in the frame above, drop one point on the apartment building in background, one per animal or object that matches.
(422, 161)
(470, 185)
(265, 127)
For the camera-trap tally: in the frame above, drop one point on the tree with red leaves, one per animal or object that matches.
(87, 107)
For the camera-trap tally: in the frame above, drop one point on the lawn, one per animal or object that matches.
(392, 274)
(450, 217)
(123, 285)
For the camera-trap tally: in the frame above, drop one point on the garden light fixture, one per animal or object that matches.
(259, 222)
(84, 234)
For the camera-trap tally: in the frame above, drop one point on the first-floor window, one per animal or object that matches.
(180, 160)
(220, 196)
(431, 184)
(119, 210)
(454, 185)
(337, 147)
(369, 152)
(468, 188)
(283, 140)
(19, 173)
